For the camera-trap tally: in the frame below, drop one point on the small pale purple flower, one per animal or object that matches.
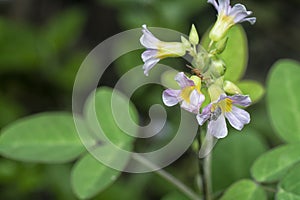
(224, 107)
(157, 50)
(227, 17)
(189, 96)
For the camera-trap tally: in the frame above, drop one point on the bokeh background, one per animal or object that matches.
(43, 42)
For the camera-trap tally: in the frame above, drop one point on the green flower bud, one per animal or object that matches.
(221, 45)
(217, 68)
(185, 42)
(231, 88)
(193, 37)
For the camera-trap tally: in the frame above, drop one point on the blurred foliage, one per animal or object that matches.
(43, 42)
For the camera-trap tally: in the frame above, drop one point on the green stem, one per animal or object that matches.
(167, 176)
(204, 165)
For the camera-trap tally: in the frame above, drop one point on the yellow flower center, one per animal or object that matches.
(225, 105)
(186, 92)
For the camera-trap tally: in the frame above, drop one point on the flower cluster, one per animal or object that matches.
(225, 98)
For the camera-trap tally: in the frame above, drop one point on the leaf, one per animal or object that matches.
(17, 53)
(244, 190)
(283, 195)
(175, 196)
(290, 184)
(89, 176)
(272, 165)
(283, 99)
(45, 137)
(254, 89)
(235, 54)
(64, 28)
(108, 110)
(234, 156)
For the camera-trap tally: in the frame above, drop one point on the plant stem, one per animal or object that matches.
(167, 176)
(204, 165)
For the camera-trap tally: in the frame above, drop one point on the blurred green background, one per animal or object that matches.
(43, 42)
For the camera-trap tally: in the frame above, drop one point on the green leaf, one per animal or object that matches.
(254, 89)
(17, 53)
(234, 156)
(244, 190)
(64, 28)
(175, 196)
(235, 54)
(124, 112)
(283, 99)
(272, 165)
(89, 176)
(45, 137)
(283, 195)
(290, 184)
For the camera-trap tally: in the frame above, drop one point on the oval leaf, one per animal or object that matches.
(89, 176)
(244, 190)
(283, 195)
(235, 54)
(272, 165)
(290, 184)
(45, 137)
(234, 157)
(283, 97)
(254, 89)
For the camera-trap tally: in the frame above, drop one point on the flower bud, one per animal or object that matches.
(217, 68)
(214, 92)
(193, 37)
(185, 42)
(231, 88)
(221, 45)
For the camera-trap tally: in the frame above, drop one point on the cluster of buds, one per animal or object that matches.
(208, 71)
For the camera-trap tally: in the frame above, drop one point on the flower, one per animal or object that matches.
(227, 17)
(225, 107)
(157, 50)
(189, 96)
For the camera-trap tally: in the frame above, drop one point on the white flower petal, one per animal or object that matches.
(205, 115)
(238, 118)
(214, 3)
(196, 100)
(242, 100)
(149, 64)
(183, 81)
(148, 40)
(170, 97)
(218, 127)
(149, 54)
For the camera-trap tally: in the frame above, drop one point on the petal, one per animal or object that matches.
(196, 99)
(242, 100)
(214, 3)
(149, 64)
(170, 97)
(240, 14)
(238, 117)
(251, 20)
(149, 54)
(148, 40)
(205, 115)
(224, 6)
(183, 81)
(218, 127)
(236, 9)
